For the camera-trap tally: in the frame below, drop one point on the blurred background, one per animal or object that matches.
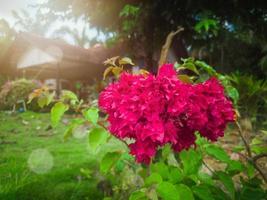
(63, 44)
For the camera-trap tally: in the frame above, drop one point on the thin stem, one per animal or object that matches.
(240, 131)
(250, 158)
(257, 157)
(206, 165)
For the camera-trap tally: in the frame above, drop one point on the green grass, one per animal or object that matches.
(20, 135)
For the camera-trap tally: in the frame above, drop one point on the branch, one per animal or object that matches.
(257, 157)
(240, 131)
(166, 46)
(250, 158)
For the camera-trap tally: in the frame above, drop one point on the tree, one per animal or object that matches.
(224, 26)
(39, 23)
(80, 38)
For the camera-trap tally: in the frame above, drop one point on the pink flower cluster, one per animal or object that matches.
(156, 110)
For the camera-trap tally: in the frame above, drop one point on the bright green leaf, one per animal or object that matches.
(108, 161)
(42, 101)
(57, 112)
(97, 136)
(91, 115)
(138, 195)
(167, 191)
(217, 153)
(185, 192)
(176, 175)
(125, 61)
(191, 67)
(161, 168)
(191, 160)
(154, 178)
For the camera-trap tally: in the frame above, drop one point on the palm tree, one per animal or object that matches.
(80, 38)
(38, 23)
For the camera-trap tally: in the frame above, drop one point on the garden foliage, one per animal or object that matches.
(12, 91)
(153, 115)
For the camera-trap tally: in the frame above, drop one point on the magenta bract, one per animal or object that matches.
(156, 110)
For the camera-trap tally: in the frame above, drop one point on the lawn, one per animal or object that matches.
(26, 140)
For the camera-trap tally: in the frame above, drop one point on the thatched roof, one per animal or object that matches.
(54, 56)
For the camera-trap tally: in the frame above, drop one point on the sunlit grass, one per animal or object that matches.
(20, 135)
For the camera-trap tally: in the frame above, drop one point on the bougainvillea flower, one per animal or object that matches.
(156, 110)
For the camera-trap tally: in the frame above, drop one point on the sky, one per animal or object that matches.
(6, 7)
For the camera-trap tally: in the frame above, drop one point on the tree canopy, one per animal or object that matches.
(217, 29)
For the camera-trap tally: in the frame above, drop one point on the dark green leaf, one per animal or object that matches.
(227, 182)
(235, 166)
(203, 192)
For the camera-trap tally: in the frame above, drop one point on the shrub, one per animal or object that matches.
(12, 91)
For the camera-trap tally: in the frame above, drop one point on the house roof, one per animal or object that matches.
(55, 57)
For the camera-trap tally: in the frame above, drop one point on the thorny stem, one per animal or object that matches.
(250, 158)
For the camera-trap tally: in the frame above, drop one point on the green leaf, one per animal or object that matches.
(42, 101)
(191, 160)
(191, 67)
(154, 178)
(250, 170)
(217, 153)
(108, 161)
(185, 192)
(184, 78)
(138, 195)
(235, 166)
(74, 123)
(166, 151)
(161, 169)
(125, 61)
(107, 71)
(97, 136)
(176, 175)
(68, 95)
(91, 115)
(205, 67)
(232, 93)
(202, 192)
(258, 149)
(227, 182)
(152, 194)
(167, 191)
(205, 178)
(57, 112)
